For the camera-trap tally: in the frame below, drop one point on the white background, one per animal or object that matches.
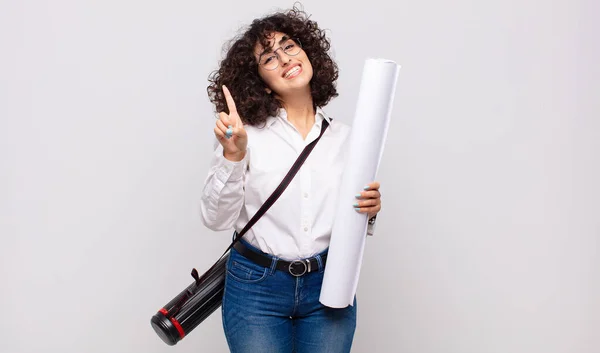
(488, 241)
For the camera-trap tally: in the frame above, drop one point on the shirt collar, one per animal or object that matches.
(282, 114)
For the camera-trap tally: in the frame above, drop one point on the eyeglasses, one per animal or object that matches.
(270, 61)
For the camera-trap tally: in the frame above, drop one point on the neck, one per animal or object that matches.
(299, 109)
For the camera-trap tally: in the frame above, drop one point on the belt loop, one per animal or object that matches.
(320, 262)
(273, 265)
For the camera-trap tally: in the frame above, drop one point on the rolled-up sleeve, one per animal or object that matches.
(223, 193)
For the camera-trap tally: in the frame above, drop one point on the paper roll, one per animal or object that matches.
(366, 142)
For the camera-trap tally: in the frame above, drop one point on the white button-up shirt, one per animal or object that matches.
(299, 223)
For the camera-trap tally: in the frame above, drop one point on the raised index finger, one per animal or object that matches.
(229, 100)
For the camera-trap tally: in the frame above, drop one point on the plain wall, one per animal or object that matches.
(488, 241)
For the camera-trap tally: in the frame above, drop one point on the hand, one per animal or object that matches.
(230, 132)
(369, 200)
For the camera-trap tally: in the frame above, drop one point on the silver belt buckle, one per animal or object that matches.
(291, 266)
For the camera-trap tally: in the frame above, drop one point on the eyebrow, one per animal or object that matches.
(284, 39)
(281, 41)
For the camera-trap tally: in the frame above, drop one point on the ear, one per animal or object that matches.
(268, 90)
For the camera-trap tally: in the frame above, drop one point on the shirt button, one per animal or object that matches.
(305, 195)
(306, 229)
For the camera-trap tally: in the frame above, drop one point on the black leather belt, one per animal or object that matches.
(295, 268)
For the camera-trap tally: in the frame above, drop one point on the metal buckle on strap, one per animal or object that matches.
(298, 262)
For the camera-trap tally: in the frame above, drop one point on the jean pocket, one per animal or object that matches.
(245, 271)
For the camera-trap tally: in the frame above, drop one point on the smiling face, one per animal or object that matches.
(293, 72)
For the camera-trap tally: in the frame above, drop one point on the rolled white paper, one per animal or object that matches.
(366, 142)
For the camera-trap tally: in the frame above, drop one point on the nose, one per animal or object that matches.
(280, 56)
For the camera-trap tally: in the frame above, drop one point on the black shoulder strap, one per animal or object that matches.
(270, 201)
(274, 196)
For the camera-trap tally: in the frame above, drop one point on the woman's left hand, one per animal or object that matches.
(369, 200)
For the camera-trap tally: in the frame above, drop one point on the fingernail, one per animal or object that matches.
(366, 187)
(356, 205)
(356, 209)
(230, 127)
(358, 196)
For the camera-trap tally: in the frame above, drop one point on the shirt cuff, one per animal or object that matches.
(229, 170)
(371, 226)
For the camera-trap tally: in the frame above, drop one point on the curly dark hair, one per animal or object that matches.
(239, 69)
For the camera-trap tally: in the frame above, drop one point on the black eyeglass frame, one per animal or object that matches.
(296, 41)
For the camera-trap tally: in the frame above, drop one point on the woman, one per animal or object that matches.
(269, 90)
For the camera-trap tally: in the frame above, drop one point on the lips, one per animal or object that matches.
(292, 71)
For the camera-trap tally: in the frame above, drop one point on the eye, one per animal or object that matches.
(268, 59)
(290, 46)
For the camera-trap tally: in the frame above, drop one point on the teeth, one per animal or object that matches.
(292, 71)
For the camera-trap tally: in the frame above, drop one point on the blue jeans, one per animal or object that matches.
(267, 310)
